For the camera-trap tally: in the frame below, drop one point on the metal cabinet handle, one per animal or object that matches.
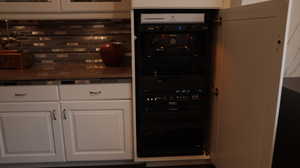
(92, 93)
(20, 94)
(54, 114)
(65, 114)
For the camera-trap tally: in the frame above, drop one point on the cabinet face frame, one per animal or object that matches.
(30, 7)
(45, 111)
(118, 109)
(122, 6)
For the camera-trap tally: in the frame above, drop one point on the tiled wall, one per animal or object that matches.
(66, 40)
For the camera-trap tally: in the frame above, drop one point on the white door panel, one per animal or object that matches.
(105, 130)
(252, 44)
(99, 130)
(30, 133)
(18, 135)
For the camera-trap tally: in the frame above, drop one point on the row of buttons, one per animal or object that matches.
(172, 98)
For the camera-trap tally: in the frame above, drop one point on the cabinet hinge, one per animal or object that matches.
(215, 92)
(219, 20)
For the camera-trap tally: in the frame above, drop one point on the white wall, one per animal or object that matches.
(292, 62)
(247, 2)
(244, 2)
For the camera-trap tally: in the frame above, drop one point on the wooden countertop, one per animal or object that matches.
(66, 72)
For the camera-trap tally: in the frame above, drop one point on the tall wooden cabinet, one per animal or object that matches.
(250, 51)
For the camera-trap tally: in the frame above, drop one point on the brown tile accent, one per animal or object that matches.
(64, 41)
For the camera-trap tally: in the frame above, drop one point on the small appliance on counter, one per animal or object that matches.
(13, 59)
(11, 53)
(112, 54)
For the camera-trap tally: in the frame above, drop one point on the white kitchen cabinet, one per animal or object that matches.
(94, 130)
(249, 63)
(98, 130)
(30, 132)
(96, 5)
(19, 6)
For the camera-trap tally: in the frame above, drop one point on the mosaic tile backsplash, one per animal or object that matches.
(76, 41)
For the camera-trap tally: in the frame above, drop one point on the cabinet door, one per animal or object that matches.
(18, 6)
(30, 132)
(96, 5)
(253, 41)
(99, 130)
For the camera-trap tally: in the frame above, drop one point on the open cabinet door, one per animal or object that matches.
(251, 40)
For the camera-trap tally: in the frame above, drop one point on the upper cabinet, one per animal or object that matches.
(95, 5)
(64, 9)
(19, 6)
(180, 4)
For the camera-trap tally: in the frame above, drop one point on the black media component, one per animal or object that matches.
(173, 84)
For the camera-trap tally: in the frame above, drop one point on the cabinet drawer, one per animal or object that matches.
(28, 93)
(96, 91)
